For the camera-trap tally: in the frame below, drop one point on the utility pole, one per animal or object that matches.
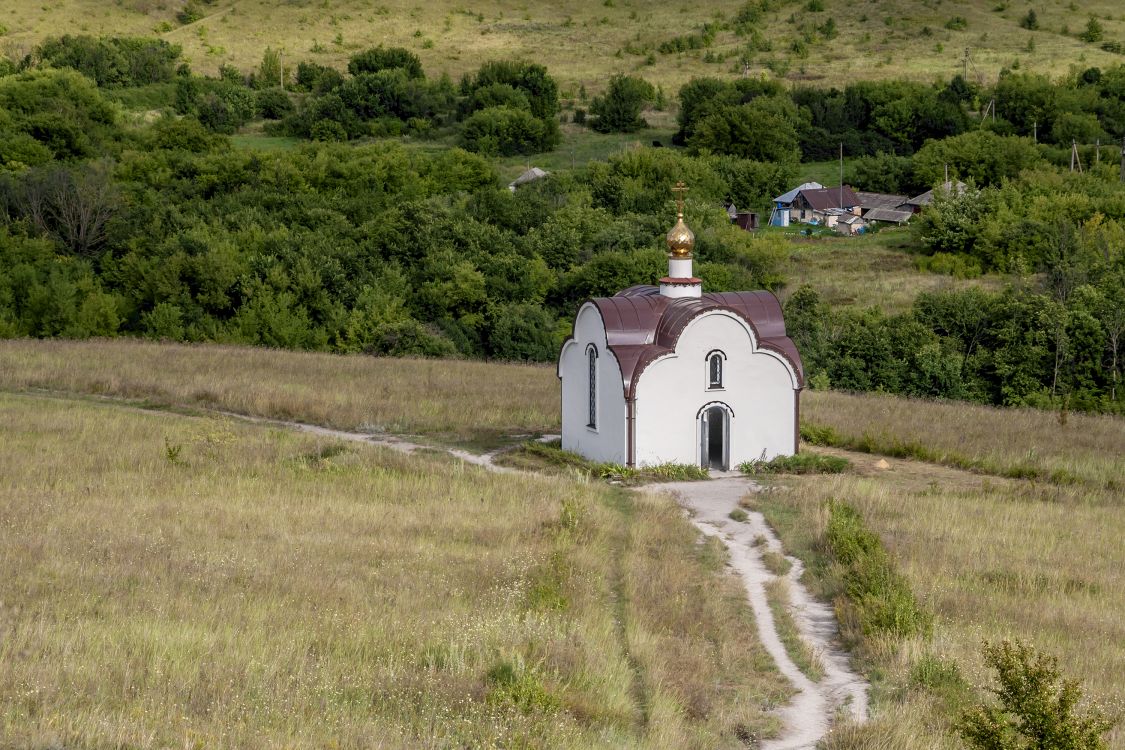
(1035, 131)
(281, 70)
(1098, 151)
(841, 175)
(1123, 159)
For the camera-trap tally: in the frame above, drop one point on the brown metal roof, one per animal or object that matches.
(642, 325)
(826, 198)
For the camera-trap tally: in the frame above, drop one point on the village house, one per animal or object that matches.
(883, 207)
(782, 204)
(661, 374)
(824, 205)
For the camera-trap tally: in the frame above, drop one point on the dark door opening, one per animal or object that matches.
(713, 448)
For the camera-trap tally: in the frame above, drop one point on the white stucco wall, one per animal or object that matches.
(758, 386)
(606, 443)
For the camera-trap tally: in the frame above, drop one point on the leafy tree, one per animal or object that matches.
(506, 131)
(1038, 707)
(521, 332)
(386, 58)
(619, 110)
(61, 109)
(762, 130)
(112, 62)
(274, 104)
(269, 70)
(227, 107)
(980, 156)
(317, 78)
(498, 95)
(533, 80)
(883, 173)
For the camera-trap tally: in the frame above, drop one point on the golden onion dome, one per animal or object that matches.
(681, 240)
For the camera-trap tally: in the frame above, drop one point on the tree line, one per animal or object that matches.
(111, 226)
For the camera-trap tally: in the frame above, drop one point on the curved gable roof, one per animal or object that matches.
(642, 325)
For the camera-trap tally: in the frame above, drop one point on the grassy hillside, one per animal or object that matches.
(202, 582)
(584, 42)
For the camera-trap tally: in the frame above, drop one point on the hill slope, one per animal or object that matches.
(583, 43)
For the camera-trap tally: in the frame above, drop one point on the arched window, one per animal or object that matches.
(715, 369)
(592, 357)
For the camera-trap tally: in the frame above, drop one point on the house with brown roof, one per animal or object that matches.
(824, 205)
(666, 373)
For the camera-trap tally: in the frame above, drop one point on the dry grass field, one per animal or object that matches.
(992, 559)
(178, 581)
(1087, 450)
(480, 402)
(461, 400)
(583, 43)
(990, 553)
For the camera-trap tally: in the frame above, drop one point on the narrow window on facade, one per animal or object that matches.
(715, 371)
(592, 354)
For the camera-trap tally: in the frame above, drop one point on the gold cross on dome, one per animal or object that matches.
(679, 190)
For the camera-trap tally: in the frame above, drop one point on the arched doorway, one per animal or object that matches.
(714, 433)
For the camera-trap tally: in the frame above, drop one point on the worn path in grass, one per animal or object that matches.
(809, 716)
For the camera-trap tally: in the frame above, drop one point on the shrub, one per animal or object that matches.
(1093, 31)
(1037, 706)
(1030, 21)
(880, 596)
(274, 104)
(317, 78)
(533, 80)
(385, 58)
(619, 110)
(802, 463)
(190, 13)
(506, 131)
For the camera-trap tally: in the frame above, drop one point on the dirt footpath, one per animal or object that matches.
(841, 691)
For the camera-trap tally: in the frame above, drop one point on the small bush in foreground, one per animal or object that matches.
(1038, 707)
(802, 463)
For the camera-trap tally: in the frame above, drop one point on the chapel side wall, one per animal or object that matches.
(757, 386)
(606, 443)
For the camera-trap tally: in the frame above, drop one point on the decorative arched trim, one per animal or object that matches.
(592, 386)
(715, 363)
(711, 404)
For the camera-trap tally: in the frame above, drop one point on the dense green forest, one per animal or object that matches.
(125, 209)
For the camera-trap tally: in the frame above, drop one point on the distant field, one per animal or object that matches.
(583, 43)
(1072, 449)
(458, 399)
(874, 270)
(174, 581)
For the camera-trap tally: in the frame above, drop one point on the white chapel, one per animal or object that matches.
(665, 374)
